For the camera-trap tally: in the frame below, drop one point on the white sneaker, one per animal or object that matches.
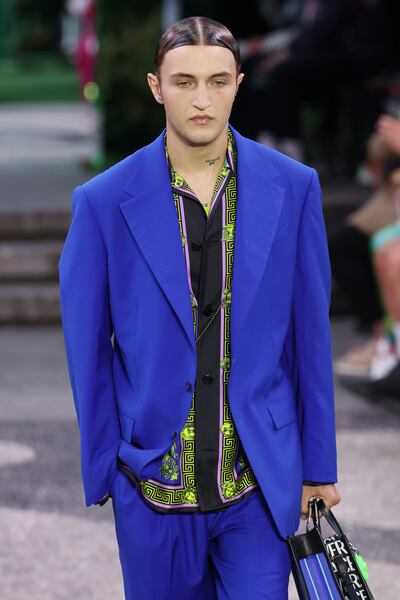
(384, 360)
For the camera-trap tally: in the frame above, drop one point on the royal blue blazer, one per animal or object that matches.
(128, 329)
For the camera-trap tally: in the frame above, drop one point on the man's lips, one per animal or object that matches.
(202, 119)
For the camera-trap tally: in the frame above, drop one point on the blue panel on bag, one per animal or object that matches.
(318, 578)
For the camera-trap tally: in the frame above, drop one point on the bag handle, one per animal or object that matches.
(330, 517)
(317, 505)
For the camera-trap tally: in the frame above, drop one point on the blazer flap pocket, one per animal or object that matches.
(280, 233)
(283, 412)
(127, 423)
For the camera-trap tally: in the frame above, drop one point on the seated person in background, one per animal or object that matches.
(330, 44)
(349, 247)
(385, 248)
(389, 130)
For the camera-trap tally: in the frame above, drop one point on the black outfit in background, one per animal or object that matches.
(352, 270)
(338, 42)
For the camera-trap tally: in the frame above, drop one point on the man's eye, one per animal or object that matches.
(183, 83)
(219, 83)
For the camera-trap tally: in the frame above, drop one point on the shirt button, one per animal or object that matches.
(207, 310)
(196, 246)
(207, 378)
(188, 387)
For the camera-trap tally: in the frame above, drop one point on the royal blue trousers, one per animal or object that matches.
(232, 554)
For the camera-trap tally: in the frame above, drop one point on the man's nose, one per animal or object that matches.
(201, 99)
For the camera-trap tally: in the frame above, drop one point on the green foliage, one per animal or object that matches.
(7, 28)
(129, 32)
(37, 25)
(38, 79)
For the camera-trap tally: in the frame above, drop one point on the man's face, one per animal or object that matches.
(197, 82)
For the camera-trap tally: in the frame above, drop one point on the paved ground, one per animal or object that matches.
(65, 550)
(52, 547)
(42, 148)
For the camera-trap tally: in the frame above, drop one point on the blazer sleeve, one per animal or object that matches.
(87, 330)
(313, 354)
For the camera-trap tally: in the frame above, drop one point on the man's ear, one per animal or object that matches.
(240, 79)
(155, 86)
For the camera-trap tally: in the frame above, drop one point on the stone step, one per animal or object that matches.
(33, 303)
(35, 225)
(30, 247)
(29, 261)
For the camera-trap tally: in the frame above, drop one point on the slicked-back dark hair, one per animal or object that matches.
(195, 31)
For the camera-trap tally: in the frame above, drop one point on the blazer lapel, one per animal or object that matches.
(151, 217)
(259, 203)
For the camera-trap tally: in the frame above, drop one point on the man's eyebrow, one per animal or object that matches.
(182, 75)
(189, 76)
(222, 74)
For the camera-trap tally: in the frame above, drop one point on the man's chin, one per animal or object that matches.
(201, 135)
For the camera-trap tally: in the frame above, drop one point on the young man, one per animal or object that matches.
(209, 418)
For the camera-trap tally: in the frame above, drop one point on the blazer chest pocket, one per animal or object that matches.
(283, 412)
(127, 424)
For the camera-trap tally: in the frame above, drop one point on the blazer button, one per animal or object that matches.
(207, 378)
(196, 246)
(188, 387)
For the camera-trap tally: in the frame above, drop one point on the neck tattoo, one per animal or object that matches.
(212, 161)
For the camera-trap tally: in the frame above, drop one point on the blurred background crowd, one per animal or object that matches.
(322, 85)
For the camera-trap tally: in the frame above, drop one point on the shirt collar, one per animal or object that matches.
(229, 163)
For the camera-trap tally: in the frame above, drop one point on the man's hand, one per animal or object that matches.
(327, 493)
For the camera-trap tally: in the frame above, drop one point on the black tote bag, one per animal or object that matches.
(327, 568)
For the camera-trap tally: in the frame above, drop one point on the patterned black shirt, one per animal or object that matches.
(206, 467)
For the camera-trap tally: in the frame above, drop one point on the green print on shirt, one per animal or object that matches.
(227, 233)
(169, 466)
